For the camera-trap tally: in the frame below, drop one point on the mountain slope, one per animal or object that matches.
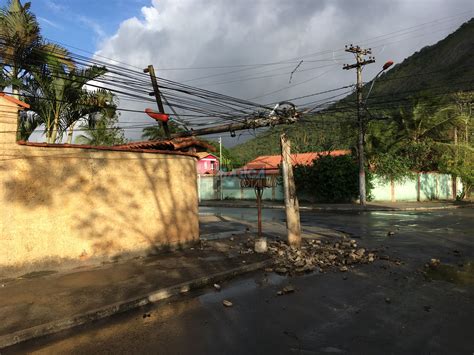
(432, 72)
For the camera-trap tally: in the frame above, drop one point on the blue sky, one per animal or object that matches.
(83, 23)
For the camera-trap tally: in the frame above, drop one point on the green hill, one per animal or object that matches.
(432, 72)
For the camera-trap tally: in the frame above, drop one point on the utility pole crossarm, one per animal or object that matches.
(362, 63)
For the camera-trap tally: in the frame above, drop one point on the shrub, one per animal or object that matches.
(330, 179)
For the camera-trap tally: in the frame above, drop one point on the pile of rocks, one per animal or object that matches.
(316, 255)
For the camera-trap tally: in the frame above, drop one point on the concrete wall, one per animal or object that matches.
(421, 187)
(61, 205)
(432, 186)
(231, 190)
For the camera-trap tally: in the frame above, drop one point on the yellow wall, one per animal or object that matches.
(63, 205)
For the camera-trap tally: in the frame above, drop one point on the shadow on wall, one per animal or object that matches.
(73, 203)
(429, 186)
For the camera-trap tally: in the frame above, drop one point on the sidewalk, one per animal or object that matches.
(371, 206)
(46, 302)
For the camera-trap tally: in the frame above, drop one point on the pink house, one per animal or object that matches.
(208, 164)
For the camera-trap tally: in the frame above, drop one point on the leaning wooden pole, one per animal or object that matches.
(292, 207)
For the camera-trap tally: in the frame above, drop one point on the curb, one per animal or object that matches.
(120, 307)
(345, 209)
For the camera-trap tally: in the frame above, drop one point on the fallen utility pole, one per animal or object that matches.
(360, 63)
(277, 117)
(156, 92)
(292, 207)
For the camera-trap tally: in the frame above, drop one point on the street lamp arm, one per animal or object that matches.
(372, 85)
(385, 67)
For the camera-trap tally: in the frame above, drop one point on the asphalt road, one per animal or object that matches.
(381, 308)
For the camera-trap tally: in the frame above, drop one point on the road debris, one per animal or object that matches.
(261, 245)
(281, 270)
(433, 264)
(317, 255)
(217, 287)
(388, 300)
(227, 303)
(287, 289)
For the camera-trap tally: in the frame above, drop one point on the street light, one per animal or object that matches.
(361, 142)
(385, 67)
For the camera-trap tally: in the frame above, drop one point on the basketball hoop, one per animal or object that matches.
(258, 180)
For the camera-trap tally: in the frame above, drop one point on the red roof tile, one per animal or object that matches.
(15, 101)
(107, 148)
(170, 144)
(270, 162)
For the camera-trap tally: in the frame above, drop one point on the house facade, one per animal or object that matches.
(208, 164)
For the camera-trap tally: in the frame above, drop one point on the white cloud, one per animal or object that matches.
(56, 7)
(94, 26)
(193, 33)
(49, 23)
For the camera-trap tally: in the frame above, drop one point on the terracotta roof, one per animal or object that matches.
(15, 101)
(170, 144)
(107, 148)
(202, 155)
(269, 162)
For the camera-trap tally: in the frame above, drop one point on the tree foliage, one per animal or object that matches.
(330, 179)
(228, 161)
(320, 132)
(57, 95)
(102, 131)
(156, 132)
(46, 76)
(431, 136)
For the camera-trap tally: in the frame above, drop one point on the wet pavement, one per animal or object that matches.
(405, 308)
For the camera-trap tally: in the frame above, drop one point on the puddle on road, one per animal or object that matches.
(234, 289)
(460, 275)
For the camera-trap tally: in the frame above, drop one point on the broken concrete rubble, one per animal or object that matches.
(316, 255)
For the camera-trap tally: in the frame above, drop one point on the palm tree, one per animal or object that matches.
(22, 48)
(88, 106)
(57, 96)
(21, 37)
(102, 130)
(156, 132)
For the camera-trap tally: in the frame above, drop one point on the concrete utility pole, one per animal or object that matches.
(292, 207)
(279, 115)
(156, 92)
(360, 63)
(221, 190)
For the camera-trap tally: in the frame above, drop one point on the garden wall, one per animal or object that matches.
(68, 205)
(431, 186)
